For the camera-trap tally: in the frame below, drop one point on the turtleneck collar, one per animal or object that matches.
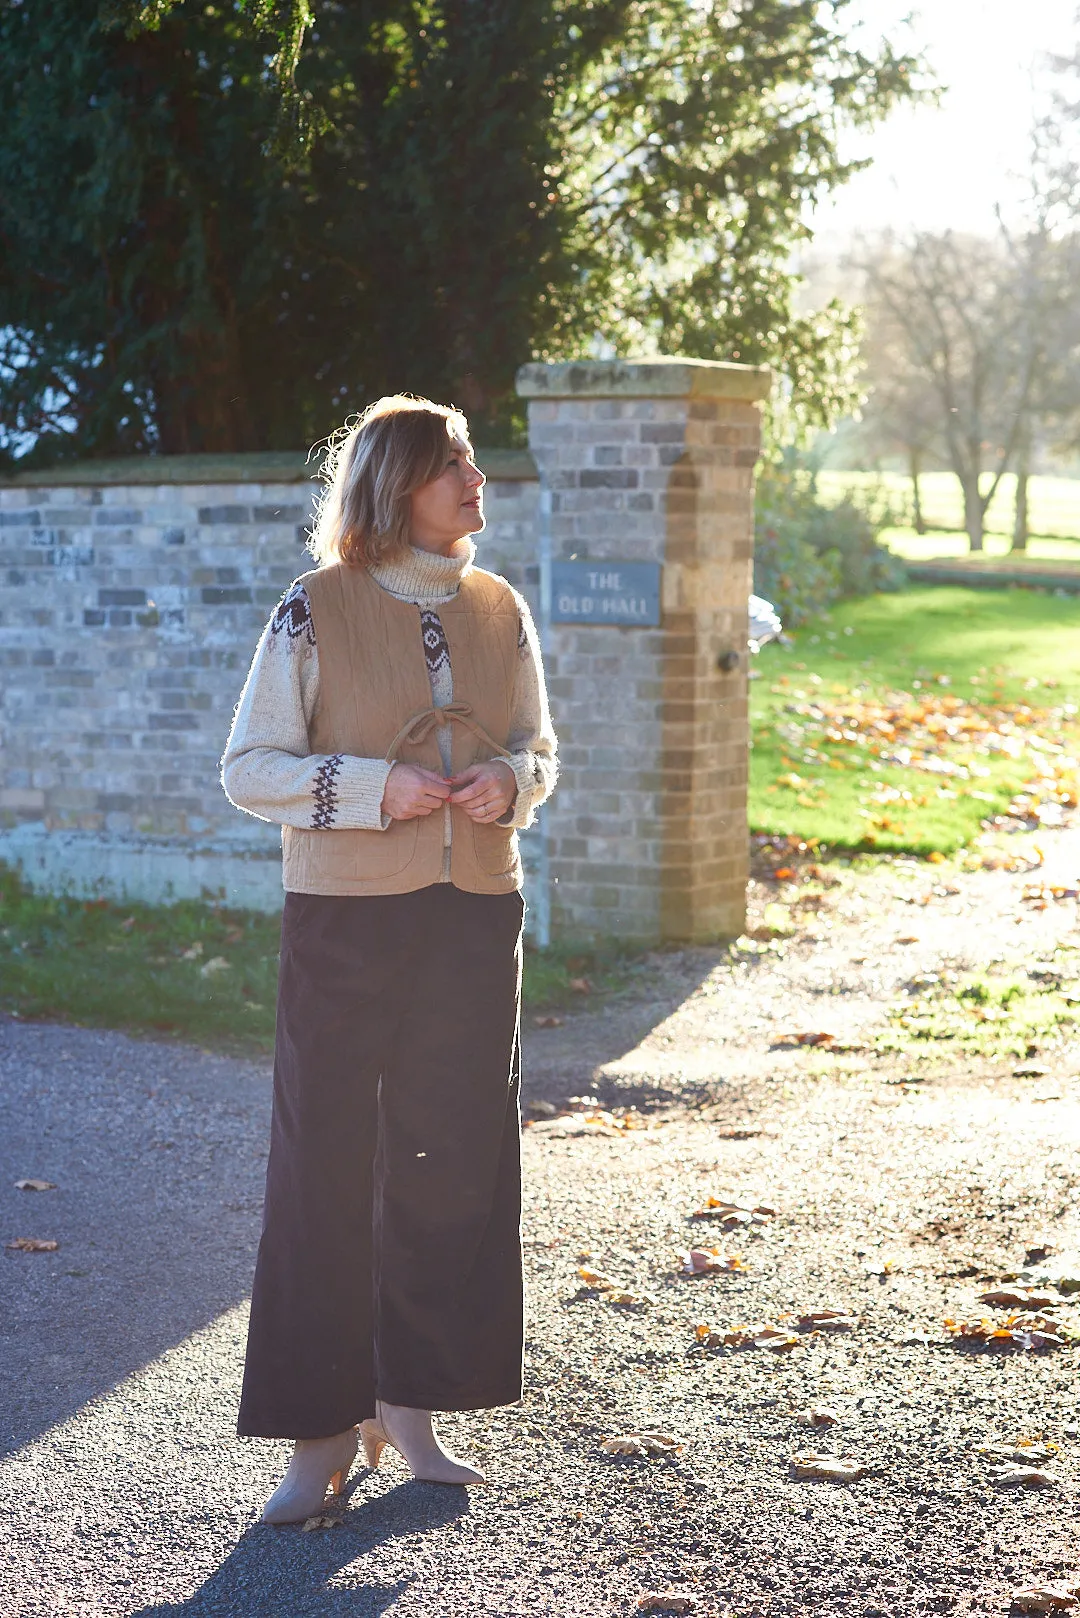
(422, 576)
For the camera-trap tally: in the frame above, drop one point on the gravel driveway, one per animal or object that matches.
(123, 1490)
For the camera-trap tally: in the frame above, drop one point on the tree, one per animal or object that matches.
(466, 186)
(1046, 256)
(961, 317)
(1043, 252)
(284, 22)
(693, 146)
(973, 349)
(134, 200)
(900, 415)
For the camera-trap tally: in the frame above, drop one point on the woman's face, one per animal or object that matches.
(451, 505)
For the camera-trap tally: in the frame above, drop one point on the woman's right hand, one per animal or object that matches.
(411, 792)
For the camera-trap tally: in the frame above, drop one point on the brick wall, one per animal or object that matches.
(651, 461)
(128, 617)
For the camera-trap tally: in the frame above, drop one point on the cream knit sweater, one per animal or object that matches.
(268, 768)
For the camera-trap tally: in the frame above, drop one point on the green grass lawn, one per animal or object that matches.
(196, 972)
(938, 543)
(1053, 506)
(901, 722)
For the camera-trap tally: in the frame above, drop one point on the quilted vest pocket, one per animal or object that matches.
(495, 848)
(348, 855)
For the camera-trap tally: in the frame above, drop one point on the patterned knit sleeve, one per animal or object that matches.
(268, 768)
(532, 745)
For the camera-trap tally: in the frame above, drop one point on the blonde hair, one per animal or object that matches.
(373, 464)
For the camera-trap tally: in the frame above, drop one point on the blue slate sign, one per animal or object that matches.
(605, 593)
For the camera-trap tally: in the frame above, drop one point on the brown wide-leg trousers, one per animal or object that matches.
(390, 1258)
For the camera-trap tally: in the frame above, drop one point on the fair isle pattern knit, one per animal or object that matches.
(268, 768)
(441, 678)
(293, 616)
(324, 793)
(436, 649)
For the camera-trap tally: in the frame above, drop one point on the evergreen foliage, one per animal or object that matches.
(223, 226)
(141, 231)
(809, 553)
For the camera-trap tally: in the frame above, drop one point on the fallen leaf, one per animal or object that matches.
(642, 1444)
(593, 1279)
(1018, 1298)
(666, 1601)
(818, 1416)
(708, 1261)
(737, 1132)
(618, 1299)
(826, 1468)
(1022, 1477)
(908, 938)
(827, 1320)
(1030, 1072)
(793, 1041)
(776, 1338)
(34, 1185)
(320, 1522)
(731, 1215)
(783, 873)
(610, 1291)
(1021, 1454)
(1046, 1598)
(580, 986)
(547, 1022)
(31, 1244)
(1015, 1333)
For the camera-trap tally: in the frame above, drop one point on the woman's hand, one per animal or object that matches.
(485, 791)
(411, 792)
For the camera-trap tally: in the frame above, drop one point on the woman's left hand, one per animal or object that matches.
(484, 791)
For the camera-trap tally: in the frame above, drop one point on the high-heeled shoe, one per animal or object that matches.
(412, 1434)
(317, 1464)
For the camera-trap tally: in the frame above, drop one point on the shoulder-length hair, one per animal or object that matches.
(374, 464)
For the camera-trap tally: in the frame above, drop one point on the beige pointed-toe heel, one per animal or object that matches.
(317, 1464)
(412, 1434)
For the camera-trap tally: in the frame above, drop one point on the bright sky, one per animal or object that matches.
(947, 166)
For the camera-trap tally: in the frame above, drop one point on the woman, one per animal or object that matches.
(395, 723)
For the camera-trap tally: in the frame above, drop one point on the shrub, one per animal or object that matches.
(808, 555)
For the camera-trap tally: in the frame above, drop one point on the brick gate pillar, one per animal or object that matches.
(647, 462)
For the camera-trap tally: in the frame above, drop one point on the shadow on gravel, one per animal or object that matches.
(273, 1571)
(563, 1061)
(155, 1154)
